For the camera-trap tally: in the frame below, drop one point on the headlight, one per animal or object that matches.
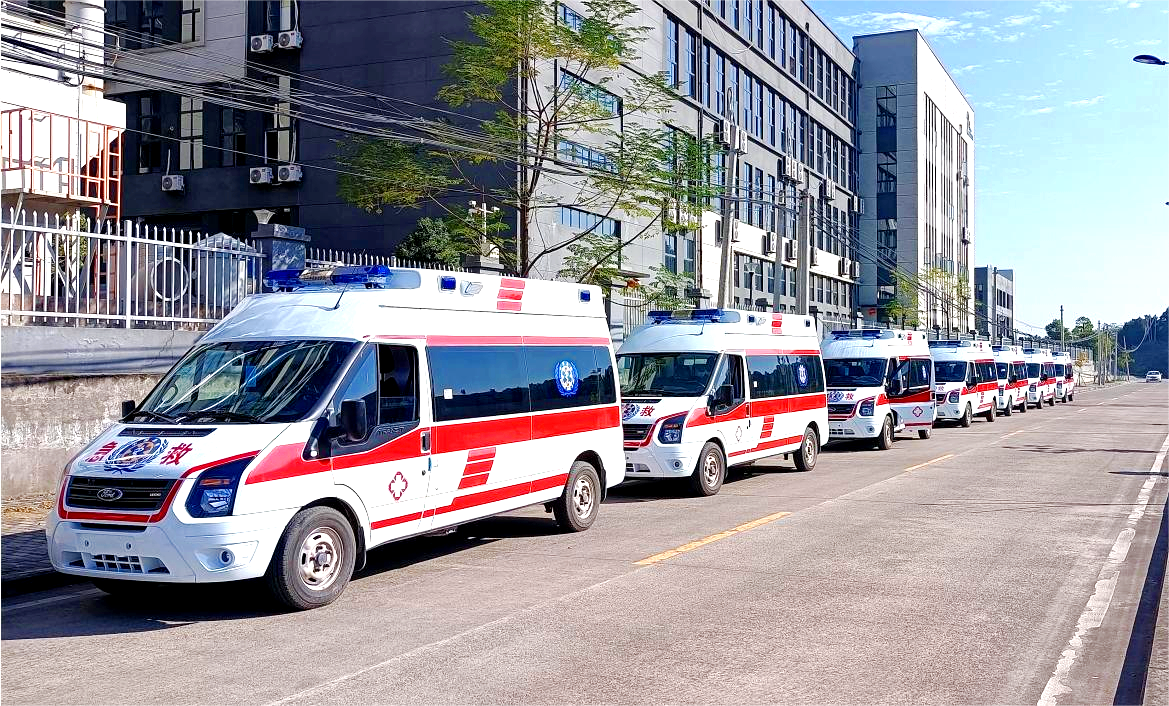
(1032, 388)
(866, 409)
(954, 397)
(671, 429)
(214, 491)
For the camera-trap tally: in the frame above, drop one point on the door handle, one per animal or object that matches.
(425, 441)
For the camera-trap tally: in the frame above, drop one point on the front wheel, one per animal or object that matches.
(885, 440)
(1051, 402)
(990, 413)
(577, 508)
(708, 476)
(967, 417)
(1010, 408)
(809, 450)
(314, 559)
(925, 433)
(1023, 407)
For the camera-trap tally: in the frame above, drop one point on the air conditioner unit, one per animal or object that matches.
(734, 234)
(769, 243)
(697, 293)
(859, 205)
(173, 182)
(854, 270)
(719, 133)
(289, 172)
(789, 251)
(792, 169)
(827, 190)
(815, 259)
(289, 40)
(260, 175)
(260, 43)
(965, 234)
(842, 267)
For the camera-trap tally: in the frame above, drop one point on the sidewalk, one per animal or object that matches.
(24, 559)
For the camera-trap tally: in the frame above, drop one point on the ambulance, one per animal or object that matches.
(352, 407)
(965, 380)
(711, 388)
(1065, 377)
(880, 382)
(1040, 376)
(1012, 379)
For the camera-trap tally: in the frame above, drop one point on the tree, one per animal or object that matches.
(1054, 328)
(903, 308)
(1083, 329)
(441, 241)
(561, 113)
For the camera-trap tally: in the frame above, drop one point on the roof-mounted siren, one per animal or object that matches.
(950, 343)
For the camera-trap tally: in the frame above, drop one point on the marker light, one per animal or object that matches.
(447, 283)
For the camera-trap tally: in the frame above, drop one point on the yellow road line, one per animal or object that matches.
(712, 538)
(932, 460)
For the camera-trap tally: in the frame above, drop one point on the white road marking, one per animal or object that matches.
(53, 599)
(1098, 602)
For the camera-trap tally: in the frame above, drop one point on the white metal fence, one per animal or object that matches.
(59, 271)
(323, 257)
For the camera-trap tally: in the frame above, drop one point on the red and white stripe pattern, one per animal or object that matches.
(479, 462)
(511, 294)
(777, 323)
(768, 427)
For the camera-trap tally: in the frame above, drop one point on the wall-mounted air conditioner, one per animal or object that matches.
(290, 40)
(174, 182)
(827, 190)
(289, 172)
(815, 259)
(789, 251)
(261, 43)
(842, 267)
(769, 243)
(260, 175)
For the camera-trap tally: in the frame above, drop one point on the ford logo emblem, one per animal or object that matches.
(109, 494)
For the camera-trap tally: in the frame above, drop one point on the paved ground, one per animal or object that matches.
(1006, 563)
(24, 555)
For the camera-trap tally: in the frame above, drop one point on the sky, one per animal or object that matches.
(1071, 143)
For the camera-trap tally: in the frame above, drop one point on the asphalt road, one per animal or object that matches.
(1004, 563)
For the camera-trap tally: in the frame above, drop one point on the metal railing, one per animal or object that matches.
(62, 272)
(323, 257)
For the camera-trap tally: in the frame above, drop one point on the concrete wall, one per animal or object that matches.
(62, 386)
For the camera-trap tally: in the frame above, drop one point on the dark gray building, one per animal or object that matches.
(994, 302)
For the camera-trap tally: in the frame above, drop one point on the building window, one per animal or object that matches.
(735, 9)
(757, 207)
(583, 220)
(150, 135)
(591, 92)
(570, 18)
(691, 65)
(887, 238)
(584, 155)
(233, 137)
(771, 117)
(189, 21)
(671, 52)
(886, 106)
(886, 172)
(770, 269)
(772, 19)
(670, 252)
(770, 197)
(280, 15)
(152, 22)
(820, 74)
(749, 18)
(279, 132)
(720, 86)
(190, 133)
(689, 253)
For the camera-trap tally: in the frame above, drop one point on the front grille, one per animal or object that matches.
(635, 432)
(840, 410)
(116, 563)
(138, 494)
(940, 398)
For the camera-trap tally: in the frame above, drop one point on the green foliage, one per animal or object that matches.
(433, 241)
(1053, 330)
(400, 175)
(667, 290)
(593, 259)
(1082, 329)
(903, 309)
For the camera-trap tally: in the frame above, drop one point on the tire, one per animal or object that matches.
(710, 472)
(991, 413)
(925, 433)
(885, 440)
(1051, 402)
(967, 417)
(1010, 408)
(314, 559)
(1023, 407)
(809, 450)
(577, 507)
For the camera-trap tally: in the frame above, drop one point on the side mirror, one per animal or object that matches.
(128, 407)
(353, 420)
(895, 388)
(1042, 377)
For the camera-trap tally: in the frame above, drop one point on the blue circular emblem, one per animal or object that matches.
(802, 374)
(566, 377)
(629, 411)
(135, 454)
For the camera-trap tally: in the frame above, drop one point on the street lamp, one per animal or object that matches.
(481, 209)
(1149, 59)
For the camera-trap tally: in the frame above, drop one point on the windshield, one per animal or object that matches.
(1033, 370)
(1059, 369)
(950, 370)
(246, 382)
(1003, 372)
(665, 374)
(855, 372)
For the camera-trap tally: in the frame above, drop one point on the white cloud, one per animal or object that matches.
(976, 14)
(1053, 6)
(1018, 20)
(1010, 37)
(1039, 111)
(966, 69)
(1147, 43)
(938, 27)
(1007, 61)
(1046, 26)
(1056, 82)
(1133, 5)
(1035, 97)
(1114, 42)
(1086, 102)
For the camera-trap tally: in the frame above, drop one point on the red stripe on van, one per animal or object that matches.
(774, 443)
(778, 351)
(503, 305)
(575, 421)
(480, 454)
(919, 397)
(286, 462)
(472, 481)
(513, 283)
(474, 340)
(396, 520)
(512, 294)
(783, 405)
(475, 467)
(699, 417)
(566, 341)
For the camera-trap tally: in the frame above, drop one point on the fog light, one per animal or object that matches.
(226, 557)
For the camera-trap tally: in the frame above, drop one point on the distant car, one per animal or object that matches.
(1153, 376)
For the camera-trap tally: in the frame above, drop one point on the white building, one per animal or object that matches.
(60, 138)
(917, 177)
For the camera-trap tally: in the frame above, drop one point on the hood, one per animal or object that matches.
(647, 410)
(160, 452)
(947, 386)
(840, 395)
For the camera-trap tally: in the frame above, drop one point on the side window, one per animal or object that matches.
(900, 374)
(770, 376)
(362, 385)
(561, 377)
(397, 384)
(919, 374)
(807, 372)
(728, 386)
(477, 381)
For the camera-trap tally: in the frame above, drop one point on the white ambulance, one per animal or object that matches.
(880, 382)
(709, 388)
(350, 408)
(1040, 376)
(1065, 377)
(965, 380)
(1012, 375)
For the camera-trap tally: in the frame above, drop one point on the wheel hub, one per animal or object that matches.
(582, 497)
(320, 558)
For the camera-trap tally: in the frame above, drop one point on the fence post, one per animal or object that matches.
(282, 247)
(125, 260)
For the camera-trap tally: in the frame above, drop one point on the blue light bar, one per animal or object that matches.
(283, 280)
(717, 316)
(866, 333)
(371, 276)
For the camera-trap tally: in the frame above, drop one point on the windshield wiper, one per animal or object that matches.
(159, 416)
(224, 415)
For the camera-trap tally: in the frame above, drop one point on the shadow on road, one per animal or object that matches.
(1163, 474)
(1039, 449)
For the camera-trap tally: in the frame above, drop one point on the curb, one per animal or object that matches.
(19, 584)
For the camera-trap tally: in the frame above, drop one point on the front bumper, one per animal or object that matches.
(173, 551)
(662, 460)
(854, 428)
(951, 410)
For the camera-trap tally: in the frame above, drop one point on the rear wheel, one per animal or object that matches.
(925, 433)
(1023, 406)
(967, 417)
(1051, 402)
(577, 507)
(1010, 408)
(885, 440)
(708, 476)
(809, 450)
(314, 559)
(990, 413)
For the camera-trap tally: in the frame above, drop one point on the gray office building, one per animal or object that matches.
(994, 302)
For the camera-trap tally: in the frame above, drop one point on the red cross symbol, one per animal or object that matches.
(175, 455)
(398, 486)
(917, 411)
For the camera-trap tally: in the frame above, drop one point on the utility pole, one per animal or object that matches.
(1062, 335)
(481, 209)
(735, 147)
(803, 249)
